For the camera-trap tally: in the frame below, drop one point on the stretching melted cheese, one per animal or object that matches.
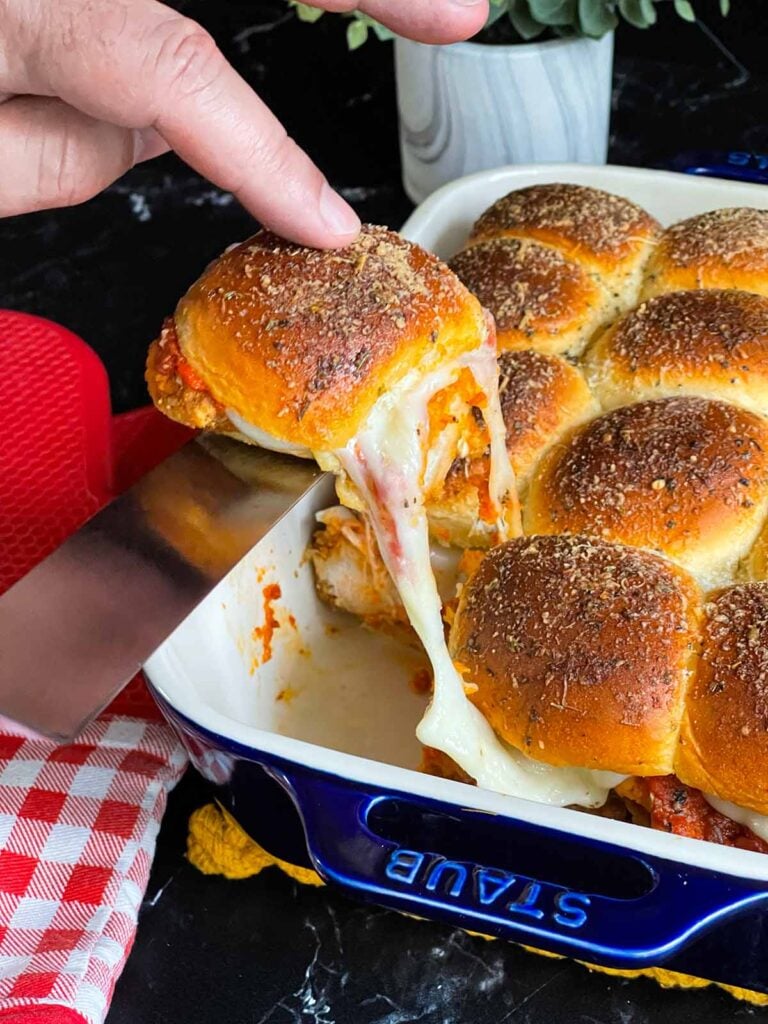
(757, 823)
(386, 462)
(389, 463)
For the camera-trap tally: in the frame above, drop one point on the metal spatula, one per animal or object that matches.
(77, 628)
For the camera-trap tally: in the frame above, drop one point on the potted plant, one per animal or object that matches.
(533, 86)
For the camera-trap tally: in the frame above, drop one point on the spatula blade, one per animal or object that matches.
(76, 629)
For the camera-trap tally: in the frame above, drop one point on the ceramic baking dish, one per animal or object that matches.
(315, 749)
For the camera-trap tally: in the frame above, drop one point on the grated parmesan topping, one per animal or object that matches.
(582, 217)
(735, 235)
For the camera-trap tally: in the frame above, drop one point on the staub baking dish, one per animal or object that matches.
(314, 747)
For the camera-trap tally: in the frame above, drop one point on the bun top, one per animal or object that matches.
(541, 398)
(539, 298)
(604, 232)
(684, 476)
(301, 342)
(580, 650)
(725, 248)
(724, 738)
(711, 343)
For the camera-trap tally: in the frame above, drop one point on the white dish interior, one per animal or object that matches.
(337, 697)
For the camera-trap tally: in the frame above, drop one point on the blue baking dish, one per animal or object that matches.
(312, 742)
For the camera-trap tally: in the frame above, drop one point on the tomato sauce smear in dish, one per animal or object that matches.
(266, 632)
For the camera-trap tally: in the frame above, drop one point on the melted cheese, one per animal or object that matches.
(386, 462)
(445, 566)
(265, 440)
(757, 823)
(391, 470)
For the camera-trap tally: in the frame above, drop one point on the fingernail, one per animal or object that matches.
(339, 217)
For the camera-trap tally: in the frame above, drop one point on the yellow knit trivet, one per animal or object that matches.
(217, 845)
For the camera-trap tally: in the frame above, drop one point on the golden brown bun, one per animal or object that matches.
(684, 476)
(301, 342)
(542, 397)
(720, 249)
(538, 298)
(607, 234)
(755, 566)
(709, 343)
(724, 737)
(581, 651)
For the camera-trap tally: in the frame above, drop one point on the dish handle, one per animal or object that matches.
(443, 878)
(734, 165)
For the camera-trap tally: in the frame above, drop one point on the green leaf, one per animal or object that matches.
(649, 10)
(643, 12)
(725, 7)
(357, 33)
(496, 9)
(553, 12)
(495, 12)
(685, 10)
(634, 12)
(307, 13)
(382, 32)
(596, 18)
(523, 21)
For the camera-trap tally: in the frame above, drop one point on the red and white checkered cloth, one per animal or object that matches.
(78, 823)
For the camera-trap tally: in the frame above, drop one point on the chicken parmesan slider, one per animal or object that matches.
(379, 363)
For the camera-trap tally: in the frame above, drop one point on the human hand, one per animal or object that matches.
(88, 88)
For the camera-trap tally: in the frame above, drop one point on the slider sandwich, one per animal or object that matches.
(711, 343)
(376, 361)
(585, 654)
(686, 477)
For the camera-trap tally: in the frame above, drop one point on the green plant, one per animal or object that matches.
(529, 19)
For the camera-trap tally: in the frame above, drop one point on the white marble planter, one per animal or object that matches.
(470, 107)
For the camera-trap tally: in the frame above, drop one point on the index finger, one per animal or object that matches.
(138, 64)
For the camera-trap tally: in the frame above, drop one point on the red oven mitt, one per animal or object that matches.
(78, 822)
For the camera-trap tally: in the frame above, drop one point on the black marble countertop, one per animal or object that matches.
(266, 950)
